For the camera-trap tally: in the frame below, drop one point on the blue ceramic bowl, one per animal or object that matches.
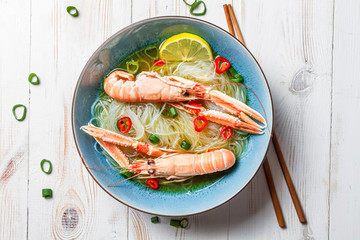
(112, 52)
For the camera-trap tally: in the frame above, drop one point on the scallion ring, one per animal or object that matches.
(236, 75)
(23, 114)
(126, 174)
(185, 145)
(72, 11)
(33, 79)
(42, 163)
(173, 112)
(184, 223)
(154, 138)
(189, 4)
(132, 66)
(152, 52)
(165, 112)
(194, 6)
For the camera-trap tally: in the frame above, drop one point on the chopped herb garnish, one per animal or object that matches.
(184, 223)
(33, 79)
(173, 112)
(42, 163)
(23, 114)
(155, 219)
(154, 138)
(46, 193)
(175, 223)
(72, 11)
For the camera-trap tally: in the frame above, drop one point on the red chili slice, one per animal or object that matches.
(124, 124)
(226, 132)
(159, 62)
(221, 65)
(203, 122)
(197, 107)
(152, 183)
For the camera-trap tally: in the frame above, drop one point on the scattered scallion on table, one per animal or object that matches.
(72, 11)
(184, 223)
(155, 219)
(189, 4)
(47, 193)
(33, 79)
(175, 223)
(23, 116)
(42, 163)
(194, 5)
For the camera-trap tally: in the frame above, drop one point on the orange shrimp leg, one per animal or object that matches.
(218, 117)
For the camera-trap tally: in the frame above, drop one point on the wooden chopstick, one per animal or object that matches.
(274, 197)
(288, 179)
(274, 138)
(228, 20)
(235, 23)
(270, 182)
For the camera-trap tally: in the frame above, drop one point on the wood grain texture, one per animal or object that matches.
(291, 39)
(314, 87)
(79, 209)
(14, 89)
(345, 151)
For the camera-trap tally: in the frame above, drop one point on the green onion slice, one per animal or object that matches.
(126, 174)
(195, 5)
(72, 11)
(236, 75)
(154, 138)
(46, 193)
(189, 4)
(144, 65)
(173, 112)
(42, 163)
(155, 219)
(132, 66)
(152, 52)
(165, 112)
(184, 223)
(175, 223)
(185, 145)
(34, 79)
(23, 114)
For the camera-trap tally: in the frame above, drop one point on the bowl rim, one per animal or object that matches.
(110, 39)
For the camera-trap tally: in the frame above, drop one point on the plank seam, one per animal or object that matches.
(28, 142)
(331, 116)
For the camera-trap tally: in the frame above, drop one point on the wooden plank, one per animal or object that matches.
(60, 46)
(210, 225)
(344, 191)
(14, 89)
(292, 40)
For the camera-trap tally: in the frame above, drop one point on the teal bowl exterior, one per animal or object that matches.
(124, 43)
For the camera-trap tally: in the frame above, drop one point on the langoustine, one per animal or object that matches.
(169, 164)
(151, 87)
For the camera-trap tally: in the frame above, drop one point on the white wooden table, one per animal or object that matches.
(310, 53)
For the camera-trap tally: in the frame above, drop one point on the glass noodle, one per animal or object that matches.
(147, 118)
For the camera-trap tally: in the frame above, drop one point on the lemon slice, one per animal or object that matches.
(185, 47)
